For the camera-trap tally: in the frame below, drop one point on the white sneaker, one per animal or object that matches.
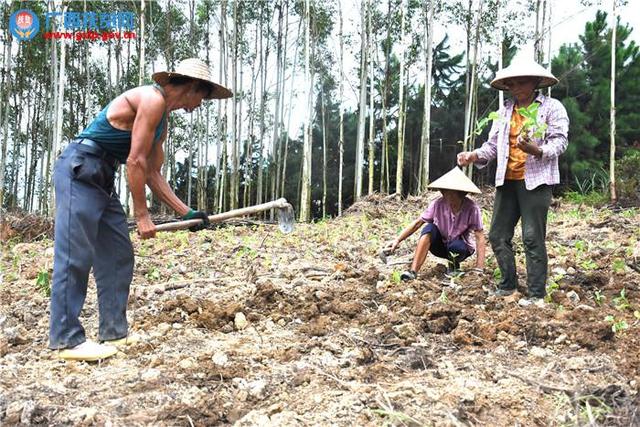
(128, 340)
(88, 351)
(526, 302)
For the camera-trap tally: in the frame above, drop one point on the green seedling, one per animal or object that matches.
(551, 288)
(618, 265)
(598, 297)
(43, 282)
(497, 274)
(621, 302)
(617, 325)
(443, 297)
(580, 245)
(246, 251)
(531, 123)
(395, 277)
(481, 124)
(588, 264)
(153, 275)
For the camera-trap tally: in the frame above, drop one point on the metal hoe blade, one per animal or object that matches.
(286, 219)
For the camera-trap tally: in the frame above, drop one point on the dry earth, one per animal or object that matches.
(246, 326)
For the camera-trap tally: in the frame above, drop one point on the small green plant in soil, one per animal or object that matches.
(153, 274)
(43, 282)
(622, 302)
(497, 274)
(617, 325)
(395, 277)
(588, 264)
(443, 297)
(551, 288)
(618, 265)
(598, 297)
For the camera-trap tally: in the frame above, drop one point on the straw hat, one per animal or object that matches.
(455, 179)
(524, 68)
(195, 69)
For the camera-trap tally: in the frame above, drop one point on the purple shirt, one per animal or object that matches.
(455, 226)
(536, 171)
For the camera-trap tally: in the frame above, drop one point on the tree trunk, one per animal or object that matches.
(467, 80)
(279, 99)
(5, 127)
(362, 110)
(286, 142)
(305, 192)
(263, 107)
(500, 40)
(400, 162)
(426, 123)
(324, 157)
(548, 46)
(612, 115)
(469, 135)
(385, 175)
(233, 190)
(341, 108)
(372, 45)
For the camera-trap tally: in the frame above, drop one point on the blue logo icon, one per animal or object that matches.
(24, 24)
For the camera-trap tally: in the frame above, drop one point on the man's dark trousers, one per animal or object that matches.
(513, 202)
(90, 231)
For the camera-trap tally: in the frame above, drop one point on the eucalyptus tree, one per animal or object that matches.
(612, 108)
(362, 109)
(401, 118)
(305, 192)
(341, 107)
(425, 145)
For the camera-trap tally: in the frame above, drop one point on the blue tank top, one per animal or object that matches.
(116, 142)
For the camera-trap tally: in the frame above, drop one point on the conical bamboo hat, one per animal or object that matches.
(523, 68)
(455, 179)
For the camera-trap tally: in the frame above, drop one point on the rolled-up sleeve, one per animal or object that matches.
(556, 137)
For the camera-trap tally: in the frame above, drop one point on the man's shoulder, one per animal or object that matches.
(145, 94)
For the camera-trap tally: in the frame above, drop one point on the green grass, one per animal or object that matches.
(592, 198)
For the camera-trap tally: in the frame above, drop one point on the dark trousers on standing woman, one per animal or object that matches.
(512, 203)
(90, 231)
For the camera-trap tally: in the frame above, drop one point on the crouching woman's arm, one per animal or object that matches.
(408, 231)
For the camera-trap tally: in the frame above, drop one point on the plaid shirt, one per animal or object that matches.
(537, 171)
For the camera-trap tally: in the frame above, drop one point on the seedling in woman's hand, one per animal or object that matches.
(530, 128)
(530, 125)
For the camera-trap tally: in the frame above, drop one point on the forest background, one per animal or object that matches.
(329, 105)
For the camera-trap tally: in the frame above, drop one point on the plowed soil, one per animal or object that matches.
(244, 325)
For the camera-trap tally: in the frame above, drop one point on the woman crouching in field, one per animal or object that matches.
(450, 221)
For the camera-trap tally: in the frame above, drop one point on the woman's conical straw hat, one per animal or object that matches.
(455, 179)
(524, 68)
(195, 69)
